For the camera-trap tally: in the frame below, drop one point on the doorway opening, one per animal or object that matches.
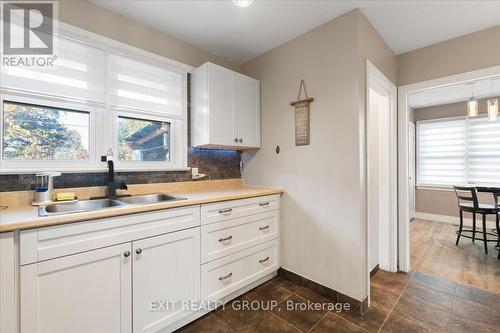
(457, 144)
(381, 129)
(378, 174)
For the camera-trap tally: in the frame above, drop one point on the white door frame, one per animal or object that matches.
(412, 128)
(388, 231)
(403, 171)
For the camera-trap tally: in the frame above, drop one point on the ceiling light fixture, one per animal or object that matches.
(493, 109)
(472, 107)
(492, 106)
(242, 3)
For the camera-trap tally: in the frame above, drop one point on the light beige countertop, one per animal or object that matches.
(20, 215)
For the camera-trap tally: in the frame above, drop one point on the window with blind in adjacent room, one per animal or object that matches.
(458, 151)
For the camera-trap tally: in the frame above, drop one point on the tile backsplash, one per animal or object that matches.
(217, 164)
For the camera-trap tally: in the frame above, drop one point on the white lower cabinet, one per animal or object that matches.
(166, 270)
(140, 273)
(93, 291)
(85, 292)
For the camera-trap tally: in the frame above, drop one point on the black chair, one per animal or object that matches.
(468, 202)
(496, 197)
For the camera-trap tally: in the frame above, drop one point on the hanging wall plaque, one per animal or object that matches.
(302, 117)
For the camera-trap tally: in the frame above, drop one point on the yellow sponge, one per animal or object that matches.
(65, 196)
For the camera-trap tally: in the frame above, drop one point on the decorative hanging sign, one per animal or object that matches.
(302, 117)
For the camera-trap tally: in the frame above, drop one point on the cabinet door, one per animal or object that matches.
(222, 105)
(85, 292)
(166, 270)
(248, 92)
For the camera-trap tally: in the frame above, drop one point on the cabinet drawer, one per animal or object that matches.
(225, 276)
(224, 211)
(224, 238)
(56, 241)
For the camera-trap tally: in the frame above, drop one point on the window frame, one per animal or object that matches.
(102, 115)
(417, 150)
(20, 166)
(142, 165)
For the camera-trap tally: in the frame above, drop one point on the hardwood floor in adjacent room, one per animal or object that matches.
(433, 251)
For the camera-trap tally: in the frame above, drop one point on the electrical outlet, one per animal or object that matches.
(195, 174)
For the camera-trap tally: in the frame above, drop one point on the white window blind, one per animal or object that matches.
(483, 167)
(79, 72)
(442, 152)
(138, 85)
(458, 152)
(107, 80)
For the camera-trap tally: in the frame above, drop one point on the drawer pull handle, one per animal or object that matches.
(264, 204)
(225, 211)
(225, 238)
(222, 278)
(138, 251)
(264, 228)
(264, 260)
(126, 254)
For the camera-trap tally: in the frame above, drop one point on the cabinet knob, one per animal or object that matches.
(241, 140)
(138, 251)
(235, 139)
(126, 254)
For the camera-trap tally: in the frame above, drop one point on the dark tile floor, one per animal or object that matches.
(400, 303)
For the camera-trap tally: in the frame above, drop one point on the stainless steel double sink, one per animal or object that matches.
(60, 208)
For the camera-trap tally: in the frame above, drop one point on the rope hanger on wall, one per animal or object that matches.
(307, 99)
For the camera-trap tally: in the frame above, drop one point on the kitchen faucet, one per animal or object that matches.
(112, 185)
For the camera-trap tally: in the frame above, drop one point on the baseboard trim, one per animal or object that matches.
(329, 293)
(453, 219)
(374, 270)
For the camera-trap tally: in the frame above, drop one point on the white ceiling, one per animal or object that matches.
(239, 34)
(455, 93)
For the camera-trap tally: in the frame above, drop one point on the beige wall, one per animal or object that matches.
(89, 16)
(323, 209)
(462, 54)
(443, 202)
(448, 110)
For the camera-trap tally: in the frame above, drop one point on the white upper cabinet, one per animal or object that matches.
(225, 109)
(222, 123)
(248, 110)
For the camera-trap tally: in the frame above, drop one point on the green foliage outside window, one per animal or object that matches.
(34, 132)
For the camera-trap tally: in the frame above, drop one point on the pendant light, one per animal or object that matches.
(492, 106)
(472, 107)
(242, 3)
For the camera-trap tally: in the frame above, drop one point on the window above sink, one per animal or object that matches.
(100, 96)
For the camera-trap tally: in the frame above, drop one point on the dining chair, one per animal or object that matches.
(468, 202)
(495, 191)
